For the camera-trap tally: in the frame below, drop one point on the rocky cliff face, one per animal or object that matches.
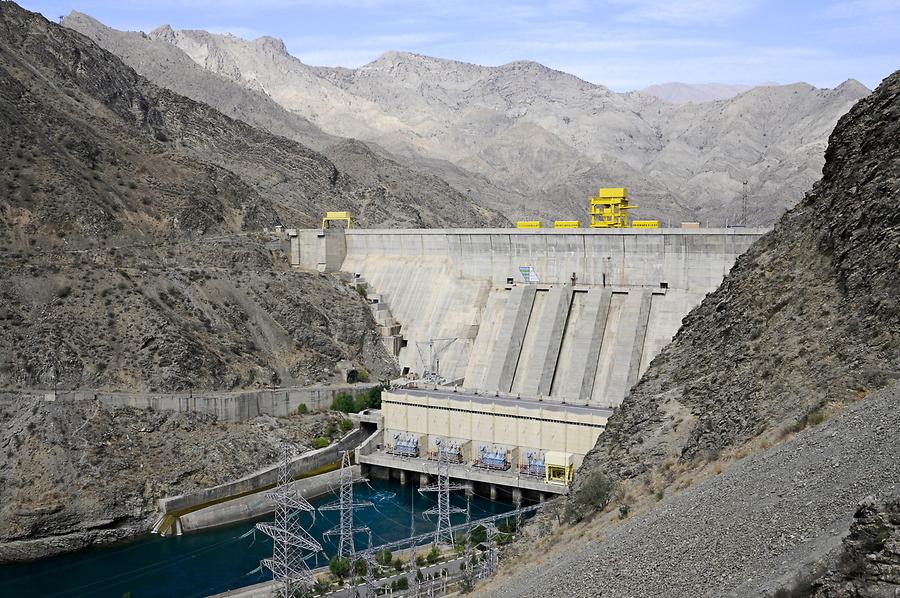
(539, 141)
(132, 252)
(808, 318)
(869, 564)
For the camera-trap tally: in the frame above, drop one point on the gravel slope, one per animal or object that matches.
(745, 532)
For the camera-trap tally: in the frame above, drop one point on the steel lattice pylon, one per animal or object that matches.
(443, 510)
(346, 506)
(289, 540)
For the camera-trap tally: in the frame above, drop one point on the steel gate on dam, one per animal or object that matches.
(567, 314)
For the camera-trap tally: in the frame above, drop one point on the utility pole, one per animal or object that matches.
(346, 506)
(443, 510)
(289, 538)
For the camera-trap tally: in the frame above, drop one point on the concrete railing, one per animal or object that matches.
(227, 406)
(262, 479)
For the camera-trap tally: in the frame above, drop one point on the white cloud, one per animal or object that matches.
(683, 11)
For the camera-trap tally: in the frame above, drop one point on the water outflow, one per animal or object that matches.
(204, 563)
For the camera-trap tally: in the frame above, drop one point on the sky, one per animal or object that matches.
(623, 44)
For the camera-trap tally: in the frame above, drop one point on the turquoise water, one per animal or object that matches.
(196, 565)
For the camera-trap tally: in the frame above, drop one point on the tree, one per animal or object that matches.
(344, 403)
(360, 567)
(383, 557)
(339, 567)
(433, 556)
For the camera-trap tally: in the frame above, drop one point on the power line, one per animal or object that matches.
(289, 539)
(346, 505)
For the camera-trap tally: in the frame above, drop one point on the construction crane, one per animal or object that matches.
(609, 209)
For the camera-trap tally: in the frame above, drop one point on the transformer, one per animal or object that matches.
(405, 446)
(492, 458)
(534, 464)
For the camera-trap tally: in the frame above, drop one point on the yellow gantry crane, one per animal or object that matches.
(609, 209)
(338, 217)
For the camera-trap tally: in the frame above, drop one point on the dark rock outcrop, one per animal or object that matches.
(869, 564)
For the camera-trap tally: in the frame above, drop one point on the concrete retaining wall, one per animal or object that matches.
(259, 503)
(227, 406)
(263, 478)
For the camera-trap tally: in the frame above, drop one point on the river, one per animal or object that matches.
(204, 563)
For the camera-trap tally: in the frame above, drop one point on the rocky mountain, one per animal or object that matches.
(132, 243)
(525, 139)
(695, 93)
(392, 195)
(739, 459)
(809, 317)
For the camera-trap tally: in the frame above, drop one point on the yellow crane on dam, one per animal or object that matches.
(609, 209)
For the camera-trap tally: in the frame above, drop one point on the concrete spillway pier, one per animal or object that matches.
(595, 308)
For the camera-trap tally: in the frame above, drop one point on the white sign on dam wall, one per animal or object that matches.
(454, 301)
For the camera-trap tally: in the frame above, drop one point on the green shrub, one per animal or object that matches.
(397, 564)
(362, 375)
(346, 425)
(359, 567)
(478, 535)
(813, 418)
(433, 556)
(302, 409)
(339, 567)
(320, 587)
(321, 442)
(400, 584)
(375, 397)
(383, 557)
(596, 492)
(344, 403)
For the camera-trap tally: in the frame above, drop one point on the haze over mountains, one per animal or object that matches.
(524, 139)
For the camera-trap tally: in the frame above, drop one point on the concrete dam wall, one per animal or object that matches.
(574, 315)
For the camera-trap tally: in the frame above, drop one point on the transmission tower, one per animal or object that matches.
(370, 568)
(490, 563)
(519, 518)
(744, 206)
(443, 510)
(413, 565)
(289, 539)
(346, 506)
